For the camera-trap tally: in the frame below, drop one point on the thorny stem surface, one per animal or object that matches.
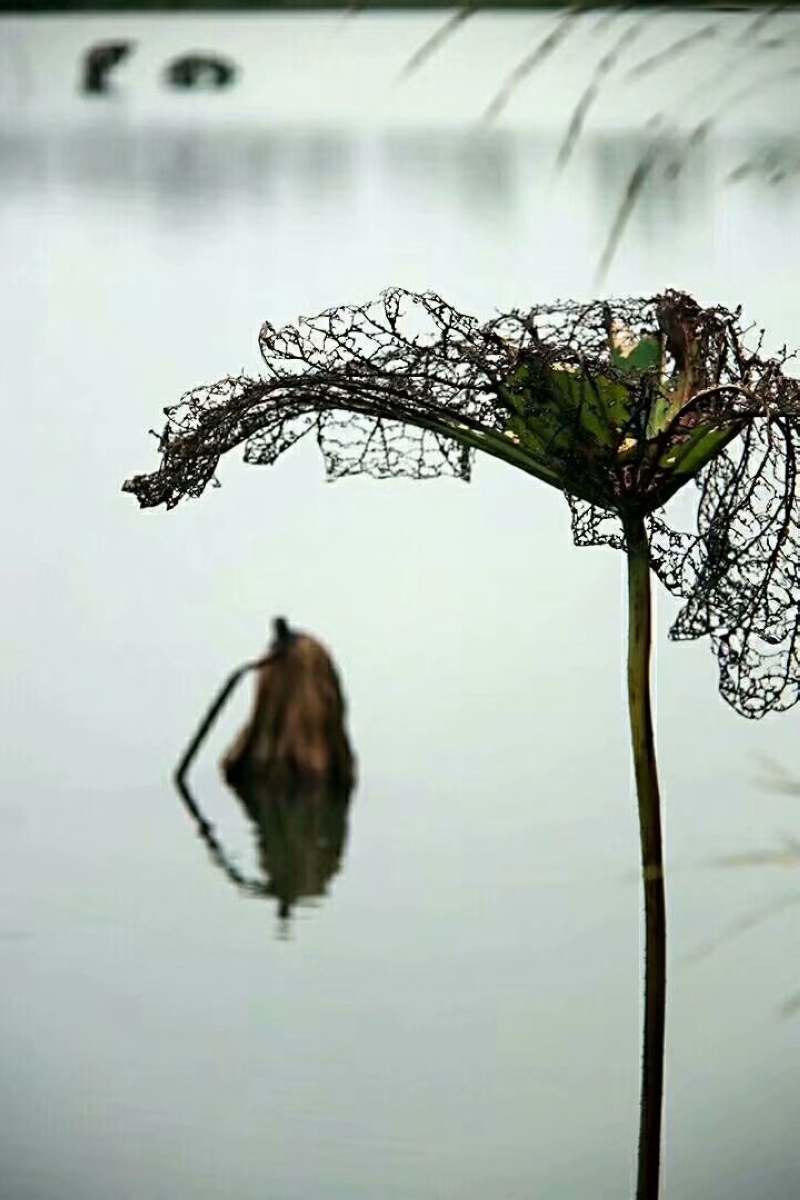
(644, 759)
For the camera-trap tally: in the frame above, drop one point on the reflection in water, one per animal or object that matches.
(643, 183)
(692, 113)
(791, 1008)
(193, 169)
(219, 855)
(480, 169)
(750, 921)
(657, 176)
(771, 164)
(701, 123)
(291, 768)
(786, 854)
(301, 833)
(651, 180)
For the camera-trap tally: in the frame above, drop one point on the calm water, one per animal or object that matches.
(458, 1016)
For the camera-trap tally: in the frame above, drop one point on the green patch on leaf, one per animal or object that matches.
(561, 411)
(645, 356)
(690, 456)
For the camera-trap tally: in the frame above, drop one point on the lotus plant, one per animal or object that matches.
(618, 405)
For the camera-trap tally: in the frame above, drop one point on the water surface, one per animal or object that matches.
(459, 1015)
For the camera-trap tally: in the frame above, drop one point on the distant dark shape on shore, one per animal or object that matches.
(99, 61)
(200, 72)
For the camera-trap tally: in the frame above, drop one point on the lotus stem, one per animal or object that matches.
(644, 759)
(211, 715)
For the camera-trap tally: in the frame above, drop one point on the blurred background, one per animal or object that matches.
(458, 1015)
